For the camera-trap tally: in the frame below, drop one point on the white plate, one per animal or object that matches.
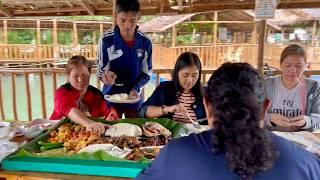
(6, 148)
(129, 101)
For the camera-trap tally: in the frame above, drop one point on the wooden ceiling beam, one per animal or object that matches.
(49, 10)
(151, 7)
(34, 1)
(298, 5)
(87, 7)
(5, 11)
(70, 4)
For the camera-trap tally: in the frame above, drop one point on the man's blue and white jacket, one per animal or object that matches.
(132, 65)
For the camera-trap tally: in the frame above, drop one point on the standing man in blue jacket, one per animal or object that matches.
(125, 57)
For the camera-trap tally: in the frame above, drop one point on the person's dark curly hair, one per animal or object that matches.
(237, 95)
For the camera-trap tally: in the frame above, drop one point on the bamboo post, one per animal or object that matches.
(38, 40)
(54, 82)
(55, 40)
(42, 95)
(114, 13)
(14, 98)
(214, 38)
(158, 79)
(313, 40)
(314, 33)
(173, 36)
(75, 37)
(254, 34)
(101, 29)
(1, 100)
(5, 38)
(94, 47)
(254, 41)
(262, 34)
(26, 78)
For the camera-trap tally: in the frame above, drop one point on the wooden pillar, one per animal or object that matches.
(93, 50)
(114, 13)
(75, 39)
(214, 38)
(94, 37)
(38, 40)
(43, 97)
(5, 38)
(101, 29)
(1, 100)
(28, 93)
(314, 33)
(173, 36)
(75, 34)
(253, 53)
(262, 34)
(55, 40)
(254, 34)
(14, 97)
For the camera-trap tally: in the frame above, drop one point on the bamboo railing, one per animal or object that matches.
(25, 74)
(163, 57)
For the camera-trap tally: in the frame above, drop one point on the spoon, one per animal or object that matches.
(195, 124)
(120, 84)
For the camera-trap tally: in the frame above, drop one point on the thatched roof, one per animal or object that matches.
(162, 23)
(282, 18)
(15, 8)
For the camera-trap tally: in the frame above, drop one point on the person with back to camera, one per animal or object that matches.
(295, 100)
(237, 146)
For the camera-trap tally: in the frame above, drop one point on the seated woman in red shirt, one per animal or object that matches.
(77, 99)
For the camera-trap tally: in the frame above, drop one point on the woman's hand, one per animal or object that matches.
(96, 127)
(280, 120)
(170, 109)
(179, 108)
(113, 115)
(298, 121)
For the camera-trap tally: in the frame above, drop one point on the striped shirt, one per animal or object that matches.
(187, 100)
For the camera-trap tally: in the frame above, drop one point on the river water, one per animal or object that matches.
(34, 80)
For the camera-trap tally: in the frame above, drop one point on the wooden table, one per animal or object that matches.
(20, 175)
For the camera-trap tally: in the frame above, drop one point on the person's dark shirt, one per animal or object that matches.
(192, 158)
(166, 94)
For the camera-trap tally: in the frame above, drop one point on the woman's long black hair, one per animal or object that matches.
(187, 59)
(236, 93)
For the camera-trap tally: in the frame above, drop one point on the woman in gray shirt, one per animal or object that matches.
(295, 100)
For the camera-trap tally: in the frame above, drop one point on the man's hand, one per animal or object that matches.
(133, 94)
(109, 78)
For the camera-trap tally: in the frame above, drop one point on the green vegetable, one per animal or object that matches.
(51, 146)
(42, 143)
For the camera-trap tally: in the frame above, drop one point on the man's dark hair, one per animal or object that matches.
(127, 5)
